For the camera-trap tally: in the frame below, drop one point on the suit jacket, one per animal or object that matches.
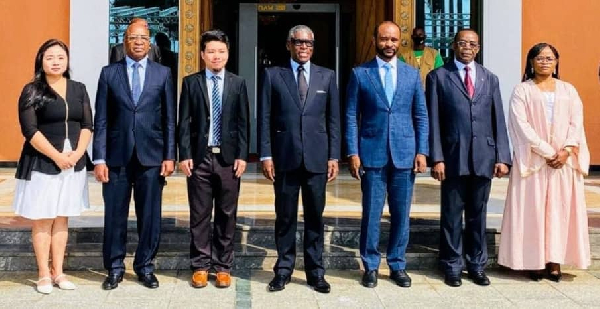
(376, 130)
(117, 53)
(194, 118)
(469, 135)
(293, 133)
(121, 126)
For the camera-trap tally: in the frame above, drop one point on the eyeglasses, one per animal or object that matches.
(296, 42)
(544, 59)
(133, 38)
(467, 43)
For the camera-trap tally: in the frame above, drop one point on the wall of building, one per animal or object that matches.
(569, 27)
(25, 26)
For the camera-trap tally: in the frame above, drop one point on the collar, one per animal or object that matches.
(210, 74)
(295, 66)
(130, 62)
(461, 66)
(393, 62)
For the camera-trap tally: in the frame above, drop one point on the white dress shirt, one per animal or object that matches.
(472, 71)
(394, 70)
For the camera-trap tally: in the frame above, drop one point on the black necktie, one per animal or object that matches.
(302, 85)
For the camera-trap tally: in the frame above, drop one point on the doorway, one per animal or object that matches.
(263, 31)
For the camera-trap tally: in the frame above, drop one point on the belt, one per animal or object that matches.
(214, 149)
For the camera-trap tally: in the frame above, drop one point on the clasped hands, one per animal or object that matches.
(560, 158)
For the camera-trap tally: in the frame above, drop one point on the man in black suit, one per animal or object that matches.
(117, 52)
(213, 150)
(468, 146)
(134, 148)
(299, 146)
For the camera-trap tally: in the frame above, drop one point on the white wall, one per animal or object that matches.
(89, 42)
(502, 23)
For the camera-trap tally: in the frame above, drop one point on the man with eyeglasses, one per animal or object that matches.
(299, 146)
(468, 146)
(134, 149)
(117, 52)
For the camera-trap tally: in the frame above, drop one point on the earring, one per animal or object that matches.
(532, 70)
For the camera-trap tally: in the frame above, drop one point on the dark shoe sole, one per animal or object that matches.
(108, 288)
(453, 284)
(274, 289)
(198, 286)
(369, 285)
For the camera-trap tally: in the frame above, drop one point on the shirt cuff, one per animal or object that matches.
(265, 158)
(99, 161)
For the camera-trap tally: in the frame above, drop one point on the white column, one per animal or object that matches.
(502, 26)
(88, 42)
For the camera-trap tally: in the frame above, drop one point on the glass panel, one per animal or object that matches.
(441, 20)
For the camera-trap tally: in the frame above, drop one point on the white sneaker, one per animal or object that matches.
(44, 288)
(64, 284)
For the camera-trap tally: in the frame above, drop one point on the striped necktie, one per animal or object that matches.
(216, 110)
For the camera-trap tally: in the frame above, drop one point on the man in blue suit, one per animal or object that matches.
(299, 146)
(469, 146)
(386, 133)
(134, 148)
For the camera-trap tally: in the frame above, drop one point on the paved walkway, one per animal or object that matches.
(509, 289)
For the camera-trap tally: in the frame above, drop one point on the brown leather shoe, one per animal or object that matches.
(200, 278)
(223, 280)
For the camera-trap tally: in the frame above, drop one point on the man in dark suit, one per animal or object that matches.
(387, 105)
(134, 148)
(117, 52)
(213, 150)
(299, 146)
(469, 146)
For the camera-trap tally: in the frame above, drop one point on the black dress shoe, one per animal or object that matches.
(112, 281)
(319, 284)
(479, 277)
(452, 280)
(401, 278)
(278, 283)
(149, 280)
(369, 279)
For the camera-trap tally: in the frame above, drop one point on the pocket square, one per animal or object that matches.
(321, 91)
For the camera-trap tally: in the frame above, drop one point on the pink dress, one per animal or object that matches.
(545, 215)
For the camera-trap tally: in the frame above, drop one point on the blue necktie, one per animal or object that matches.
(216, 111)
(389, 83)
(136, 87)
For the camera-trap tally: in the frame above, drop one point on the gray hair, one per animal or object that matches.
(298, 28)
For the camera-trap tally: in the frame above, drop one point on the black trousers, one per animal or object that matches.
(469, 194)
(212, 246)
(147, 185)
(287, 187)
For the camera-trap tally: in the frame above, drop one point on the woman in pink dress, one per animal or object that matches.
(545, 221)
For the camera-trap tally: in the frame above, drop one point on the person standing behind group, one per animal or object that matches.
(214, 130)
(134, 149)
(299, 146)
(545, 217)
(56, 121)
(386, 104)
(469, 146)
(421, 57)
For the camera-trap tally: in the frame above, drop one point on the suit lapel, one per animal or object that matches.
(226, 87)
(480, 76)
(316, 78)
(455, 78)
(147, 78)
(373, 73)
(122, 71)
(288, 77)
(203, 88)
(399, 84)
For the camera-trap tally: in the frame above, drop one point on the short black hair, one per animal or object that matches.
(463, 30)
(213, 35)
(381, 23)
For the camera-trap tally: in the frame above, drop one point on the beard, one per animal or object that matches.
(382, 54)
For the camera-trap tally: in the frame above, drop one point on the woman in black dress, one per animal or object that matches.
(56, 121)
